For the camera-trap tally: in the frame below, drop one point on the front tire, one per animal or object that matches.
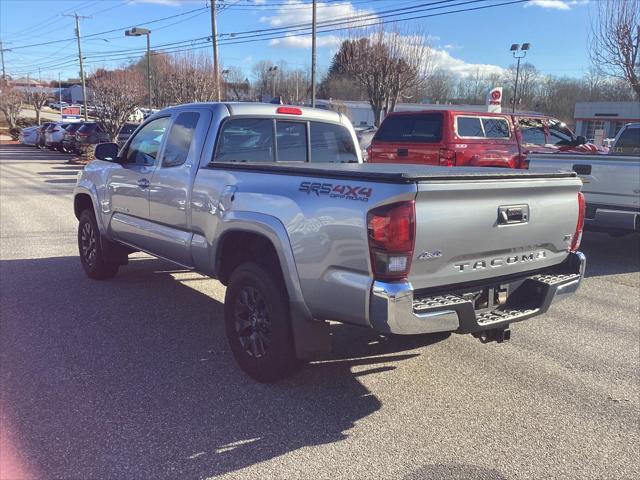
(95, 258)
(257, 323)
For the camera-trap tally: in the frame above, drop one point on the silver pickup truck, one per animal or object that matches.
(274, 202)
(611, 182)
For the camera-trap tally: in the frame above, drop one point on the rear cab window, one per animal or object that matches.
(282, 140)
(472, 126)
(417, 128)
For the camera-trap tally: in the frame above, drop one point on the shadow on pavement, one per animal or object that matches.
(25, 153)
(133, 377)
(607, 255)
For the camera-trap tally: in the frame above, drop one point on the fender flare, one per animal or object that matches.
(87, 188)
(311, 337)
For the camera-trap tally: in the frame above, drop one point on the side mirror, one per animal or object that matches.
(107, 152)
(580, 140)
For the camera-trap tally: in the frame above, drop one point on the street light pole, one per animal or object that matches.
(515, 48)
(138, 32)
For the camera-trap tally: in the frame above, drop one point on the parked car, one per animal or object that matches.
(462, 138)
(627, 142)
(69, 137)
(611, 182)
(365, 135)
(29, 135)
(125, 132)
(57, 105)
(89, 133)
(299, 234)
(53, 135)
(40, 140)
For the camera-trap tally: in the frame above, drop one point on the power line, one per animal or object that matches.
(284, 32)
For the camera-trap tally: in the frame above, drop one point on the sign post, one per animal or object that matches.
(70, 113)
(494, 100)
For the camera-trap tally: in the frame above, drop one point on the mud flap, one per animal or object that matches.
(311, 338)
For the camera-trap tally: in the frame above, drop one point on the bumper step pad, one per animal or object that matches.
(506, 315)
(420, 305)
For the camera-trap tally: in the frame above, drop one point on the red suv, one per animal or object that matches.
(462, 138)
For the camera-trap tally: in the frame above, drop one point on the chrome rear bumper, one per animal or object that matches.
(397, 308)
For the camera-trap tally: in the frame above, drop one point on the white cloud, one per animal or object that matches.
(441, 59)
(295, 13)
(555, 4)
(305, 41)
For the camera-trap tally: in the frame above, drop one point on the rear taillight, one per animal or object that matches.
(577, 236)
(447, 158)
(392, 230)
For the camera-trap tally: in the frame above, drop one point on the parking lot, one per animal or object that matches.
(133, 378)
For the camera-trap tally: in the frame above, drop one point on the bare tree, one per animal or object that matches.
(439, 86)
(11, 101)
(116, 95)
(36, 97)
(235, 83)
(527, 84)
(615, 40)
(386, 65)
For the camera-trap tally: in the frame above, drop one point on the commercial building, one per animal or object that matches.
(605, 119)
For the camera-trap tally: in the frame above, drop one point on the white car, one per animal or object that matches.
(53, 135)
(28, 136)
(58, 105)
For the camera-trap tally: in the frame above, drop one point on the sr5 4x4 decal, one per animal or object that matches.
(346, 192)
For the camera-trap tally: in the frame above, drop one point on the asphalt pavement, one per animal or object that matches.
(132, 377)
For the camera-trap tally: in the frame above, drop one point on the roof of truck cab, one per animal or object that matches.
(255, 108)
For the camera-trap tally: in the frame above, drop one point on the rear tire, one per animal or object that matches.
(95, 256)
(257, 323)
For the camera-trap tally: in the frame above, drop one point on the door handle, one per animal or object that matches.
(143, 183)
(403, 152)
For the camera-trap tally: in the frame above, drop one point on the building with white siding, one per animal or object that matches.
(609, 117)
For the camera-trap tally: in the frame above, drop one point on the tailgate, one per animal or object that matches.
(611, 180)
(471, 230)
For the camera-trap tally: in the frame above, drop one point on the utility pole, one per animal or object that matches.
(2, 50)
(313, 55)
(60, 95)
(214, 41)
(84, 87)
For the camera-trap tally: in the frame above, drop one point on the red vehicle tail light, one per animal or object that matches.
(577, 236)
(289, 110)
(447, 158)
(392, 230)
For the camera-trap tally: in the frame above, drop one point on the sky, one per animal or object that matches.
(39, 39)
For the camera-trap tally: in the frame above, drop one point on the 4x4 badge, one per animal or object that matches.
(430, 255)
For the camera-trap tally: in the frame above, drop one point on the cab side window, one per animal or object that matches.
(180, 139)
(144, 147)
(532, 131)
